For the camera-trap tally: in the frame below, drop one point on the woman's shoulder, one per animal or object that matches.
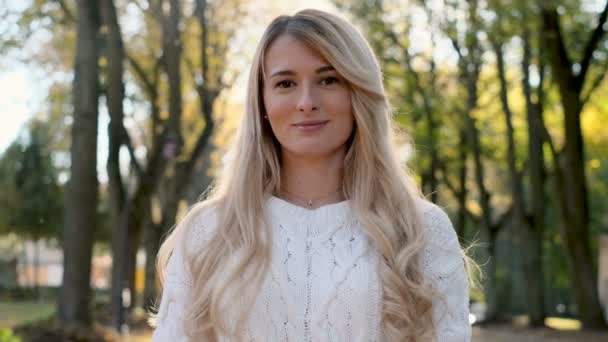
(442, 253)
(437, 224)
(200, 224)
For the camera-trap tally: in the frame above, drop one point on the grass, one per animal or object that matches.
(17, 313)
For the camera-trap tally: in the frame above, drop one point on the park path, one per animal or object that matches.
(511, 334)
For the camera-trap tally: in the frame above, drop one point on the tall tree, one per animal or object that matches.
(32, 198)
(39, 197)
(210, 74)
(74, 304)
(466, 41)
(525, 224)
(534, 98)
(119, 202)
(572, 191)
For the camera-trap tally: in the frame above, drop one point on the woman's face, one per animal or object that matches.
(307, 102)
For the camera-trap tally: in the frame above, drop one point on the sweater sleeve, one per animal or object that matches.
(175, 296)
(177, 290)
(443, 264)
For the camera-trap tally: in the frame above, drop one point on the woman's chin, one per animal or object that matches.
(313, 151)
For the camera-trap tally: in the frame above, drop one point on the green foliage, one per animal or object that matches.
(9, 165)
(6, 335)
(32, 204)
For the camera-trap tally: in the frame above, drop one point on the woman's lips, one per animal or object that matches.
(308, 126)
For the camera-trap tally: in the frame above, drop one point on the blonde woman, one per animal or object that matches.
(314, 231)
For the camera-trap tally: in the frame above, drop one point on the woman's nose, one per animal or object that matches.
(307, 101)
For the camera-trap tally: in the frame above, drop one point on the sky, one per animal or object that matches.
(17, 103)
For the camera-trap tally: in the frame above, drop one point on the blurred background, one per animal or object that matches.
(115, 116)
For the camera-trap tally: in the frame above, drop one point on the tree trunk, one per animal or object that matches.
(570, 166)
(533, 265)
(462, 182)
(490, 285)
(533, 269)
(172, 49)
(133, 241)
(522, 226)
(37, 268)
(115, 95)
(153, 235)
(74, 304)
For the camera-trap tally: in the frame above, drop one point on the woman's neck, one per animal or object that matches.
(316, 179)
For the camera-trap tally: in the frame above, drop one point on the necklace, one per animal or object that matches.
(309, 201)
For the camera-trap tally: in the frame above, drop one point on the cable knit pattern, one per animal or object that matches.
(323, 283)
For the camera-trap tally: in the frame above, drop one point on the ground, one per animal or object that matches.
(12, 314)
(512, 334)
(495, 334)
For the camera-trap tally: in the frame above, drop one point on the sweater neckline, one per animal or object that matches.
(316, 220)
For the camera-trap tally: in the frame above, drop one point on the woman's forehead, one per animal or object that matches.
(288, 53)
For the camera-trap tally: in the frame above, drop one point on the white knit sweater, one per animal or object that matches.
(323, 284)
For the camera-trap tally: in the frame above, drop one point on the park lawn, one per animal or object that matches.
(17, 313)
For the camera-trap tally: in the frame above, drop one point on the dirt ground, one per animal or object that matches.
(514, 334)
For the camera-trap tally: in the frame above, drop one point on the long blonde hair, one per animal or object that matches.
(382, 194)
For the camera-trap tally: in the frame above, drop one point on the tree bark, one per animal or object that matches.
(118, 196)
(37, 268)
(152, 237)
(74, 304)
(533, 265)
(572, 190)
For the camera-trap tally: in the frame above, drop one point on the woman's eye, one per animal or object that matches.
(284, 84)
(329, 80)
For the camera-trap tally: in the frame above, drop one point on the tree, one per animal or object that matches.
(74, 305)
(209, 74)
(32, 198)
(39, 197)
(569, 163)
(115, 93)
(528, 225)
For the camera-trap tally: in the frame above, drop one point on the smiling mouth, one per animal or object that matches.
(311, 125)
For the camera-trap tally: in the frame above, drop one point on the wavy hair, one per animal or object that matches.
(381, 191)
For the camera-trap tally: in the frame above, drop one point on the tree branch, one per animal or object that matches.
(592, 45)
(446, 180)
(596, 83)
(139, 71)
(128, 142)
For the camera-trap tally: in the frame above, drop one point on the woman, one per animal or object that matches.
(314, 231)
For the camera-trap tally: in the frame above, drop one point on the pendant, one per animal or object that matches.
(310, 203)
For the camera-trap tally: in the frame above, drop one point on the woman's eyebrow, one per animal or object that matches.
(282, 73)
(325, 69)
(322, 69)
